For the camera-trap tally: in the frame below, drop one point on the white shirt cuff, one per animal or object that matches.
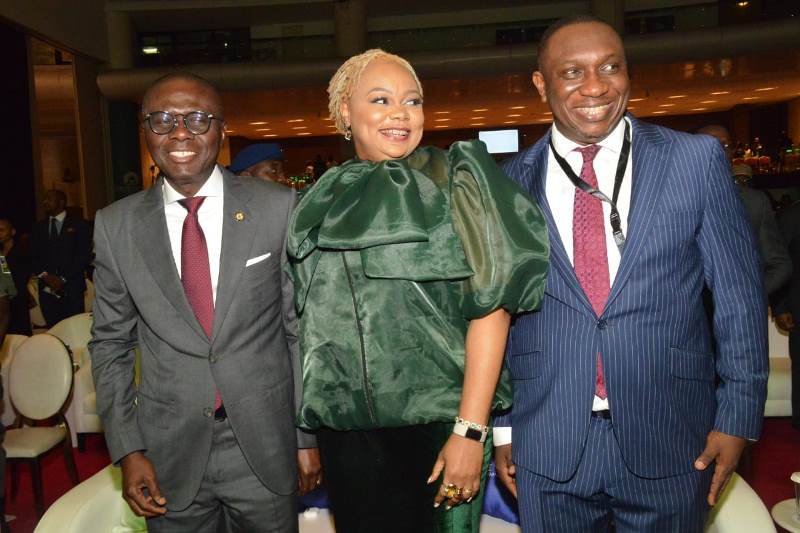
(501, 436)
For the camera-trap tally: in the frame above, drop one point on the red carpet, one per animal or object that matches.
(774, 458)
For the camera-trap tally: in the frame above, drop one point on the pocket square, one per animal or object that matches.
(255, 260)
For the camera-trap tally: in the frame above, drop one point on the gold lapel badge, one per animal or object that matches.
(238, 216)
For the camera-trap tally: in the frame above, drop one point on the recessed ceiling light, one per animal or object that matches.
(149, 50)
(659, 112)
(717, 93)
(442, 119)
(513, 116)
(678, 96)
(699, 109)
(547, 113)
(258, 123)
(328, 119)
(476, 118)
(761, 89)
(299, 127)
(441, 112)
(543, 120)
(228, 131)
(295, 120)
(751, 98)
(441, 126)
(631, 107)
(517, 107)
(478, 124)
(636, 99)
(744, 3)
(666, 105)
(510, 122)
(270, 135)
(708, 102)
(304, 133)
(264, 129)
(481, 109)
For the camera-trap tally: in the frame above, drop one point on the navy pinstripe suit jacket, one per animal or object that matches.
(667, 388)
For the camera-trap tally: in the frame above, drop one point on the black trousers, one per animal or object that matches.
(376, 479)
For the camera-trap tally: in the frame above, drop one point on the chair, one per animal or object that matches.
(739, 510)
(37, 318)
(75, 332)
(40, 380)
(10, 345)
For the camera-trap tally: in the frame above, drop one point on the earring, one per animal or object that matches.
(348, 134)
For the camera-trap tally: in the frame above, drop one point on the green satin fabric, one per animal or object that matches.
(392, 260)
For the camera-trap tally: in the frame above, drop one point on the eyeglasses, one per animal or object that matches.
(163, 122)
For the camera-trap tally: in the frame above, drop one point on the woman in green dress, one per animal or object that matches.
(408, 263)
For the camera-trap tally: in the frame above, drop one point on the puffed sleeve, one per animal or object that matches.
(503, 234)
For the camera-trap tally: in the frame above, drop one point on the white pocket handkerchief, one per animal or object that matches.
(255, 260)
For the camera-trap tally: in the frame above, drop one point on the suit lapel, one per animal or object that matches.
(152, 239)
(650, 150)
(537, 163)
(239, 226)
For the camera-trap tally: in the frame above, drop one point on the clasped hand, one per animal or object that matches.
(461, 461)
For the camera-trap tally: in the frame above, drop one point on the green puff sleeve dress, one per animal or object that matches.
(390, 261)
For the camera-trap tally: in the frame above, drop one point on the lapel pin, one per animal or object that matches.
(238, 216)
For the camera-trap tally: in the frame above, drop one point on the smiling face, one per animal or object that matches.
(186, 159)
(384, 112)
(584, 79)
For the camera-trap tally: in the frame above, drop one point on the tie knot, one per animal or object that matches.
(588, 152)
(192, 204)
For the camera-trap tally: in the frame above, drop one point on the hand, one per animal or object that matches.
(785, 321)
(504, 466)
(725, 450)
(54, 282)
(309, 470)
(461, 460)
(139, 475)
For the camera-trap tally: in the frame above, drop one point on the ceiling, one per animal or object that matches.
(511, 100)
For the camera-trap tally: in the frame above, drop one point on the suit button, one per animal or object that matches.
(602, 324)
(208, 412)
(213, 359)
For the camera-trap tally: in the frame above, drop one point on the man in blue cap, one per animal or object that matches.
(260, 160)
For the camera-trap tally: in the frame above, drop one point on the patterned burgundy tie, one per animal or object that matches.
(196, 272)
(589, 248)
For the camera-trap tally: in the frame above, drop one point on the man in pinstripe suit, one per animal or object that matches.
(622, 414)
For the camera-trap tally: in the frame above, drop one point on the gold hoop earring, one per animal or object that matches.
(348, 134)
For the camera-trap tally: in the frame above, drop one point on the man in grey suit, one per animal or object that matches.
(190, 273)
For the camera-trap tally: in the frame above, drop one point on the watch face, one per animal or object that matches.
(474, 434)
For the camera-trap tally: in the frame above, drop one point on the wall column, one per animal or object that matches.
(120, 39)
(350, 27)
(611, 11)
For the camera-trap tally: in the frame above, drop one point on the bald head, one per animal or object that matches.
(201, 84)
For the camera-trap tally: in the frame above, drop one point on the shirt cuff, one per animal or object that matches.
(501, 436)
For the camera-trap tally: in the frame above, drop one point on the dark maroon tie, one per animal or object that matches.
(589, 248)
(196, 272)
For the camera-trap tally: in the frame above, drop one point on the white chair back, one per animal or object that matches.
(10, 345)
(75, 332)
(40, 377)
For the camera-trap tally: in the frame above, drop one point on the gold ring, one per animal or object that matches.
(451, 491)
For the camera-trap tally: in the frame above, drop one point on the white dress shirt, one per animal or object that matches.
(560, 194)
(210, 217)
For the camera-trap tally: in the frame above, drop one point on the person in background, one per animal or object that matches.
(408, 262)
(618, 416)
(20, 265)
(61, 252)
(787, 310)
(260, 160)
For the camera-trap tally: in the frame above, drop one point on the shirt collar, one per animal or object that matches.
(61, 216)
(212, 187)
(613, 140)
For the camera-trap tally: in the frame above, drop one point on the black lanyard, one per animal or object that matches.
(616, 225)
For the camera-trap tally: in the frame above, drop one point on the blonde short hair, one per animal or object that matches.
(347, 77)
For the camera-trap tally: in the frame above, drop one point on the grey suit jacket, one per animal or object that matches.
(251, 358)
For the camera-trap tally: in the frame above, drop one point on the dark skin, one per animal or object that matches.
(267, 170)
(584, 79)
(187, 161)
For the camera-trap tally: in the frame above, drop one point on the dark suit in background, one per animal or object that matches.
(67, 256)
(789, 222)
